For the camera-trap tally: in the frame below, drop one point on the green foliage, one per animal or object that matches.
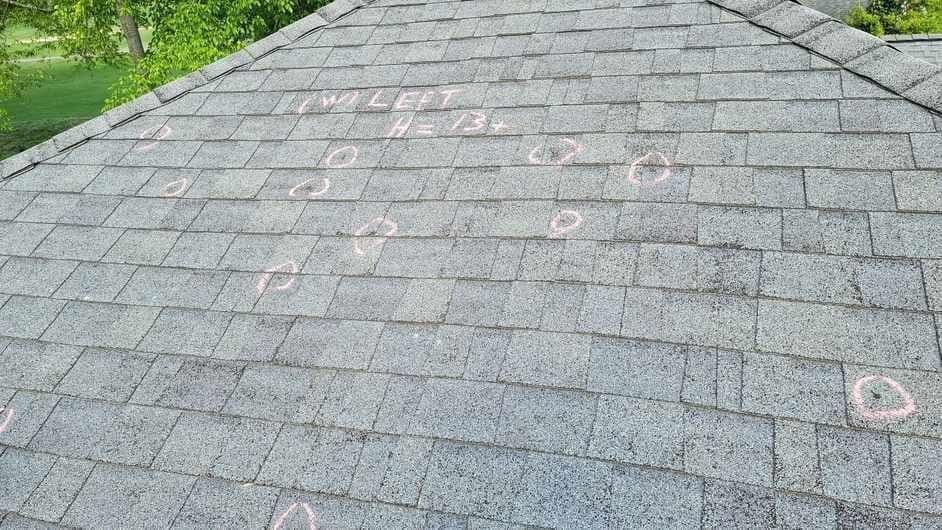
(189, 34)
(13, 79)
(898, 16)
(861, 19)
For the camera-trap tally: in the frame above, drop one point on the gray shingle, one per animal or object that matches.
(128, 497)
(28, 318)
(92, 324)
(786, 387)
(716, 444)
(703, 319)
(547, 420)
(328, 463)
(353, 400)
(697, 268)
(253, 338)
(29, 468)
(35, 365)
(858, 151)
(638, 369)
(919, 191)
(279, 393)
(473, 479)
(58, 489)
(330, 343)
(68, 209)
(142, 247)
(124, 434)
(422, 350)
(654, 498)
(551, 359)
(880, 399)
(797, 116)
(729, 503)
(186, 332)
(638, 431)
(461, 410)
(564, 492)
(889, 284)
(850, 190)
(864, 455)
(34, 277)
(832, 232)
(30, 411)
(155, 214)
(230, 448)
(96, 282)
(908, 235)
(108, 375)
(78, 242)
(916, 473)
(218, 504)
(797, 466)
(20, 239)
(883, 338)
(658, 222)
(195, 384)
(153, 286)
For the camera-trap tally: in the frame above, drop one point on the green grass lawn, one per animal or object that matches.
(67, 95)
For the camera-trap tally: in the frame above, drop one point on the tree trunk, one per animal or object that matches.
(131, 32)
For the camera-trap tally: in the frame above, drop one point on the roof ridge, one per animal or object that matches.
(857, 51)
(165, 94)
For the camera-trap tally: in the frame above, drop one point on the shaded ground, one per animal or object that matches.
(68, 95)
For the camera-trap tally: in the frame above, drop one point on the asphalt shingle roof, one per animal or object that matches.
(481, 264)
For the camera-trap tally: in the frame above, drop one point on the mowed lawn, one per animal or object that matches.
(67, 95)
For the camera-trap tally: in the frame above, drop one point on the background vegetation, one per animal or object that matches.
(65, 61)
(885, 17)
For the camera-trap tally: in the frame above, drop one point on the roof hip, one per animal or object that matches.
(855, 50)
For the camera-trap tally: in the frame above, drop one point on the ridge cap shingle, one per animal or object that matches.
(861, 53)
(168, 92)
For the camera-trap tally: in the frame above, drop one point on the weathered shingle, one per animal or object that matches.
(502, 263)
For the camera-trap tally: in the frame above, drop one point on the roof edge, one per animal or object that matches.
(164, 94)
(859, 52)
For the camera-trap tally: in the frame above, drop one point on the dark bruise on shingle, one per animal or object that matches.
(487, 264)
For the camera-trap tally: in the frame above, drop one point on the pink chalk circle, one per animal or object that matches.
(175, 188)
(343, 157)
(363, 244)
(7, 415)
(306, 188)
(653, 159)
(155, 135)
(311, 519)
(289, 267)
(908, 408)
(565, 221)
(574, 149)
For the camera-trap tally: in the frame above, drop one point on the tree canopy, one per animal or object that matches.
(898, 17)
(186, 35)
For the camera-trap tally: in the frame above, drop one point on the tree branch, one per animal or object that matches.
(14, 3)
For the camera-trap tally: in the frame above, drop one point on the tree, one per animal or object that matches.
(12, 78)
(186, 34)
(898, 16)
